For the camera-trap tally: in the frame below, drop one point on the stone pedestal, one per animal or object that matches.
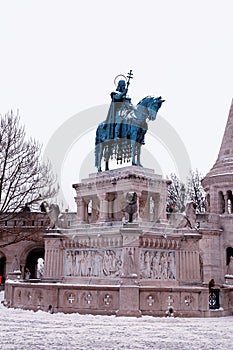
(107, 191)
(129, 301)
(131, 239)
(229, 280)
(106, 265)
(15, 275)
(53, 256)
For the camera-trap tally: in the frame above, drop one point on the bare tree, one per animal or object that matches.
(179, 194)
(176, 195)
(25, 181)
(195, 191)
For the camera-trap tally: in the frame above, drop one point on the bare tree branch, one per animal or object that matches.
(195, 191)
(176, 195)
(24, 178)
(179, 193)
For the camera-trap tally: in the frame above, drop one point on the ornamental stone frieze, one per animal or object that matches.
(158, 242)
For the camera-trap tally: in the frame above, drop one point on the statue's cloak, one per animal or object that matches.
(110, 122)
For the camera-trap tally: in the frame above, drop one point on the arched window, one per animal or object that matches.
(32, 261)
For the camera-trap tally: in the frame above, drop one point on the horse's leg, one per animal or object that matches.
(99, 156)
(133, 138)
(106, 156)
(133, 151)
(138, 155)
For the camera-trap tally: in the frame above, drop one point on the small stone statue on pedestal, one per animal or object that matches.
(15, 265)
(131, 207)
(230, 267)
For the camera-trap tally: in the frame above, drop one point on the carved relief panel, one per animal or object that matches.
(157, 264)
(93, 262)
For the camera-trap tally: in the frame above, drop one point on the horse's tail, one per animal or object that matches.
(98, 136)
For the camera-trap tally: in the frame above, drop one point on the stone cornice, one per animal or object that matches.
(112, 177)
(218, 179)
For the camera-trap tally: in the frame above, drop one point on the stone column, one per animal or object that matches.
(53, 265)
(210, 244)
(214, 203)
(80, 209)
(144, 206)
(137, 215)
(119, 206)
(162, 209)
(156, 198)
(226, 202)
(103, 214)
(184, 266)
(111, 198)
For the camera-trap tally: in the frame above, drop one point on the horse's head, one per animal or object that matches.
(151, 106)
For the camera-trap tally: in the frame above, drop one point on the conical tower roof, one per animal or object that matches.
(224, 163)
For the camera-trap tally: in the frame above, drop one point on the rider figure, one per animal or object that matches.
(118, 98)
(117, 112)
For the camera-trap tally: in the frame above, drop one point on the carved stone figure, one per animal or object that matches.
(40, 268)
(15, 265)
(163, 266)
(131, 207)
(186, 219)
(84, 263)
(68, 263)
(130, 261)
(171, 272)
(147, 265)
(155, 265)
(53, 213)
(230, 267)
(107, 263)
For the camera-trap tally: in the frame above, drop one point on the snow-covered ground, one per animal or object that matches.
(21, 329)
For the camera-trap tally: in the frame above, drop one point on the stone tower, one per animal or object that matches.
(218, 183)
(217, 228)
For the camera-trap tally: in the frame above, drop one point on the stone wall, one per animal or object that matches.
(20, 235)
(126, 299)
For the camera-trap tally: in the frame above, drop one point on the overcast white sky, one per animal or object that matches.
(59, 58)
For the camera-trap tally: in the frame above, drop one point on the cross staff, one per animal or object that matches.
(129, 76)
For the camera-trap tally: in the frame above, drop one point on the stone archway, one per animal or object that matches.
(2, 268)
(32, 261)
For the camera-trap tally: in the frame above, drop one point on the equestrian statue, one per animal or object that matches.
(122, 134)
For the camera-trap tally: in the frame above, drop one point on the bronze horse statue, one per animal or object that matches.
(132, 133)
